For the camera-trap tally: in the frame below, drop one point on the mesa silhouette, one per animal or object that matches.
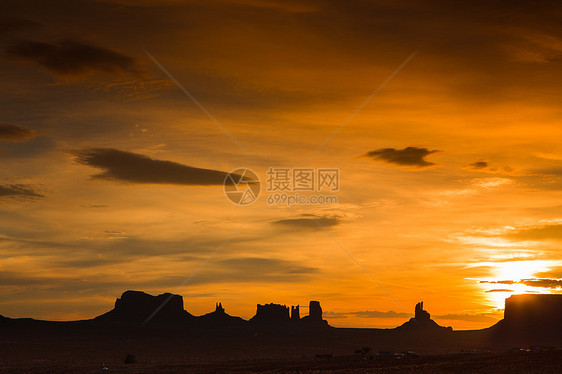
(139, 308)
(528, 319)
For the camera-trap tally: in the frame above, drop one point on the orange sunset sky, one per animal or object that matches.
(443, 118)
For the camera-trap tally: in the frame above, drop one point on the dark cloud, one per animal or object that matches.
(500, 290)
(409, 156)
(309, 222)
(478, 165)
(136, 168)
(532, 282)
(332, 315)
(485, 166)
(19, 191)
(71, 57)
(14, 133)
(542, 282)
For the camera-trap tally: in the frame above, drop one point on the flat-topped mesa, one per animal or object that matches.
(138, 307)
(531, 319)
(278, 315)
(533, 311)
(271, 314)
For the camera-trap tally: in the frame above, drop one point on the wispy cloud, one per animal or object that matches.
(544, 232)
(532, 282)
(15, 133)
(72, 57)
(307, 221)
(19, 191)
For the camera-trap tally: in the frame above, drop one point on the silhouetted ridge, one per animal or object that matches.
(134, 307)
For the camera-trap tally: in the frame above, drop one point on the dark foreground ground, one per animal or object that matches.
(509, 362)
(56, 349)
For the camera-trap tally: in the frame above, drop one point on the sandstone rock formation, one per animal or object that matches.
(275, 315)
(295, 313)
(420, 314)
(219, 319)
(422, 322)
(314, 317)
(135, 307)
(533, 310)
(531, 319)
(271, 314)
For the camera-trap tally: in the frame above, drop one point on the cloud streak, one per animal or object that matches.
(550, 283)
(485, 167)
(132, 167)
(546, 232)
(15, 133)
(19, 191)
(71, 57)
(408, 157)
(306, 222)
